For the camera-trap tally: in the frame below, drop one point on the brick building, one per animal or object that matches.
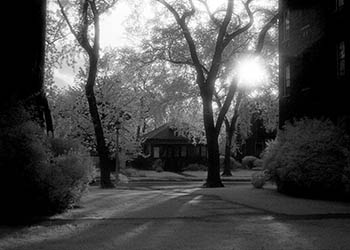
(314, 69)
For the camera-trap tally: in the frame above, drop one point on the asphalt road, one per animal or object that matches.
(174, 216)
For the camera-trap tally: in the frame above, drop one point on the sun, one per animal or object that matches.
(251, 72)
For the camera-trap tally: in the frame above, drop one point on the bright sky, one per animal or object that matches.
(113, 33)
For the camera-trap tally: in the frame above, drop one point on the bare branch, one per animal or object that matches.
(225, 106)
(191, 44)
(211, 15)
(172, 60)
(96, 19)
(236, 110)
(67, 20)
(217, 99)
(263, 32)
(184, 62)
(219, 47)
(189, 13)
(226, 21)
(243, 29)
(83, 33)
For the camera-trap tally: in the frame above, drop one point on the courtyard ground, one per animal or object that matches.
(175, 214)
(149, 175)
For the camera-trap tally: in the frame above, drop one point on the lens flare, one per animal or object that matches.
(251, 72)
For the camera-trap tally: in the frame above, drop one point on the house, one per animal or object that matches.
(174, 150)
(314, 69)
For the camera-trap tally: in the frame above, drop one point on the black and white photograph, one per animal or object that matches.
(175, 125)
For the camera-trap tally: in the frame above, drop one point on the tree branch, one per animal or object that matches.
(263, 32)
(236, 110)
(67, 20)
(219, 47)
(96, 19)
(211, 15)
(185, 62)
(191, 44)
(83, 32)
(188, 13)
(225, 106)
(230, 37)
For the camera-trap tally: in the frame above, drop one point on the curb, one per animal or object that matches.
(182, 180)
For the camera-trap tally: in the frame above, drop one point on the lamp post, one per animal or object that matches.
(117, 160)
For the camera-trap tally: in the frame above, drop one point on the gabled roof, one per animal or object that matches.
(164, 132)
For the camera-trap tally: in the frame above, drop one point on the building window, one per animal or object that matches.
(156, 152)
(341, 59)
(286, 80)
(286, 25)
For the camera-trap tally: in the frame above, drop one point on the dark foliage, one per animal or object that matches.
(310, 158)
(142, 163)
(39, 176)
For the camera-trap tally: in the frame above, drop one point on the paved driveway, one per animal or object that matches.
(175, 216)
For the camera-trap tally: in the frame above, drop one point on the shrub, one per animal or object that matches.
(131, 172)
(258, 164)
(234, 164)
(158, 165)
(36, 180)
(195, 167)
(60, 146)
(66, 179)
(142, 162)
(248, 162)
(310, 158)
(258, 179)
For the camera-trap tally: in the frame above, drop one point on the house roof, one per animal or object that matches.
(164, 132)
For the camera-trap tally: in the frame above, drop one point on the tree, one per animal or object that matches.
(224, 29)
(89, 12)
(159, 87)
(231, 124)
(25, 64)
(230, 129)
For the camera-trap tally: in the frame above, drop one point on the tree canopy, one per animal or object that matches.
(181, 67)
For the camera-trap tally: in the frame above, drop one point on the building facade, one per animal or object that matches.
(314, 67)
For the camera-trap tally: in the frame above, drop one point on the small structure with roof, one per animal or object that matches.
(175, 151)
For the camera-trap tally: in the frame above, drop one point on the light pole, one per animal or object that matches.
(117, 160)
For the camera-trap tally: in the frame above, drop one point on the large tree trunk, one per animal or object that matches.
(228, 144)
(26, 85)
(230, 130)
(40, 67)
(48, 117)
(95, 117)
(213, 177)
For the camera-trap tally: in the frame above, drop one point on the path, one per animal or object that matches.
(177, 216)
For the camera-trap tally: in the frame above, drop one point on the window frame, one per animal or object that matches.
(341, 59)
(286, 79)
(156, 149)
(286, 25)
